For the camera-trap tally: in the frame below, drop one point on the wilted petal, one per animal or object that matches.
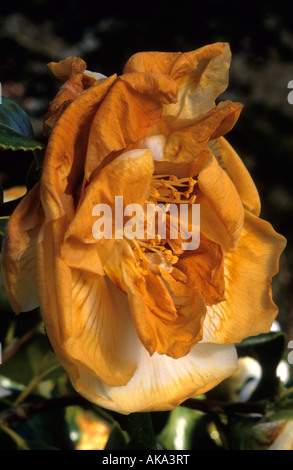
(161, 382)
(202, 75)
(18, 254)
(67, 68)
(70, 71)
(248, 309)
(127, 115)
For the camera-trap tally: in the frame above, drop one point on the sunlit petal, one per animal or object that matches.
(248, 309)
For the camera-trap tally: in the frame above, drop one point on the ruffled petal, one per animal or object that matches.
(70, 71)
(202, 75)
(18, 254)
(248, 309)
(131, 107)
(161, 382)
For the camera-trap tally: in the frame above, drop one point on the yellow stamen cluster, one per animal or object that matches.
(172, 190)
(167, 189)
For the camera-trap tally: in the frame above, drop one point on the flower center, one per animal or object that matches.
(166, 189)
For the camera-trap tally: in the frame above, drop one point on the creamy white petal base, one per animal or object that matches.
(161, 382)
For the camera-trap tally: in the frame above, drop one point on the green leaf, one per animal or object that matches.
(117, 439)
(237, 430)
(16, 131)
(139, 428)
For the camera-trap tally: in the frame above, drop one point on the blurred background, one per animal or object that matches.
(106, 34)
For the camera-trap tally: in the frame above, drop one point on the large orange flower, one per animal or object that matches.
(142, 324)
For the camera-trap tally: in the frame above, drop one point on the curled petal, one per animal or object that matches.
(71, 71)
(184, 144)
(248, 308)
(101, 329)
(202, 75)
(67, 68)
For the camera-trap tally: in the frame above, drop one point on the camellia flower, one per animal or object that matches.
(140, 324)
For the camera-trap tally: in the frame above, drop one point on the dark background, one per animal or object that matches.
(106, 34)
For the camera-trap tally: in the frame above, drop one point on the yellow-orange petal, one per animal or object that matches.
(165, 323)
(13, 193)
(67, 68)
(160, 382)
(204, 269)
(80, 313)
(18, 253)
(202, 75)
(248, 309)
(101, 329)
(130, 175)
(127, 115)
(185, 143)
(216, 186)
(66, 149)
(240, 176)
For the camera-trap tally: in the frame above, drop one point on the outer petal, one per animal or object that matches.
(66, 149)
(221, 194)
(248, 309)
(84, 323)
(18, 254)
(160, 382)
(240, 176)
